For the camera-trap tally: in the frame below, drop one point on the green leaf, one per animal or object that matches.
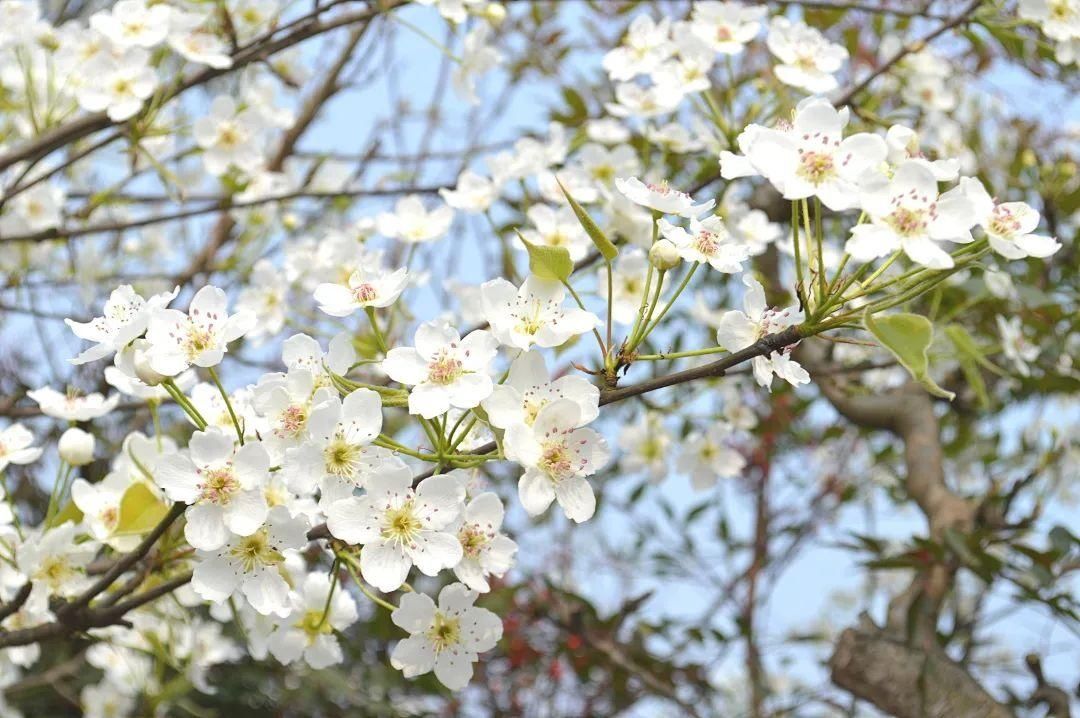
(548, 262)
(606, 247)
(140, 510)
(908, 337)
(70, 512)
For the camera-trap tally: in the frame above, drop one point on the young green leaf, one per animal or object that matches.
(908, 337)
(605, 245)
(140, 510)
(548, 262)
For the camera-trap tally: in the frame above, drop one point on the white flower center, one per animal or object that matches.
(218, 485)
(255, 551)
(1003, 222)
(445, 369)
(556, 460)
(342, 458)
(816, 167)
(365, 293)
(473, 539)
(291, 421)
(401, 525)
(908, 222)
(444, 632)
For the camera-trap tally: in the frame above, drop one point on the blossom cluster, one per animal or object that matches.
(354, 465)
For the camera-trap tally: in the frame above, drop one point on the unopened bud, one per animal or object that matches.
(664, 256)
(132, 360)
(77, 447)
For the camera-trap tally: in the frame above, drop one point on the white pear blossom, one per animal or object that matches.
(633, 100)
(738, 330)
(412, 222)
(486, 552)
(230, 136)
(478, 56)
(907, 213)
(557, 455)
(1058, 19)
(443, 369)
(533, 313)
(400, 526)
(285, 402)
(124, 317)
(190, 38)
(133, 23)
(55, 563)
(557, 228)
(661, 197)
(221, 484)
(706, 457)
(73, 406)
(474, 193)
(904, 144)
(308, 631)
(646, 446)
(812, 158)
(1008, 225)
(265, 299)
(15, 446)
(647, 43)
(250, 565)
(301, 351)
(39, 208)
(338, 456)
(199, 337)
(604, 164)
(807, 60)
(446, 639)
(708, 242)
(119, 86)
(1018, 348)
(627, 284)
(528, 389)
(726, 27)
(366, 288)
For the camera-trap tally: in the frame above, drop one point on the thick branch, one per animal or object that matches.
(907, 682)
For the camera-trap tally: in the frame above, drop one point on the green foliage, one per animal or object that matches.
(908, 337)
(140, 510)
(548, 262)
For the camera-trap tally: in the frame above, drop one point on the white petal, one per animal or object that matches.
(535, 491)
(576, 498)
(384, 566)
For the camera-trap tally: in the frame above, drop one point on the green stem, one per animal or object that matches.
(349, 566)
(819, 235)
(680, 355)
(228, 404)
(671, 300)
(599, 339)
(636, 339)
(330, 593)
(183, 403)
(380, 340)
(799, 278)
(610, 300)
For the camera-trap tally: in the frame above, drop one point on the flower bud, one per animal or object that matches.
(77, 447)
(132, 361)
(663, 255)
